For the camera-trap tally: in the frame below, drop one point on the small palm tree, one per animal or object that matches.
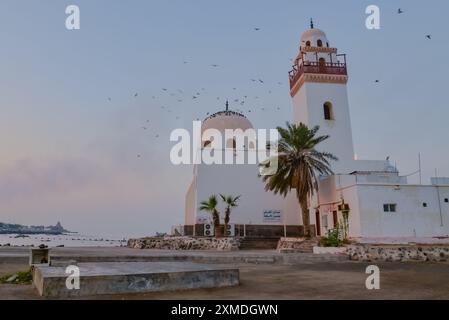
(211, 206)
(298, 165)
(231, 202)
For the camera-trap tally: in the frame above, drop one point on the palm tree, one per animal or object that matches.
(211, 206)
(298, 165)
(231, 202)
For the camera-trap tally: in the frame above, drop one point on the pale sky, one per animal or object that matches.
(69, 154)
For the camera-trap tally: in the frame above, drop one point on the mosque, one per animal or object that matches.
(381, 202)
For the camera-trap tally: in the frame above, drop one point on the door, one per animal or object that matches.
(318, 223)
(335, 218)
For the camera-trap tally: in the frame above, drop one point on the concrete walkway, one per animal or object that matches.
(320, 280)
(122, 254)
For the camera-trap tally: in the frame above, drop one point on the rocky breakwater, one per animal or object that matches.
(185, 243)
(399, 253)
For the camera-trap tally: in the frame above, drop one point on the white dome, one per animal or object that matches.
(226, 120)
(313, 35)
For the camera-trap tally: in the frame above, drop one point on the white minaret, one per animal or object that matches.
(318, 88)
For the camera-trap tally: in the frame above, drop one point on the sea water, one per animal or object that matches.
(66, 240)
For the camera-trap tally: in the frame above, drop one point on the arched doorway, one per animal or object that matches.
(322, 64)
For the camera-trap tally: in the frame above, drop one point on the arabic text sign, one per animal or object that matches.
(272, 216)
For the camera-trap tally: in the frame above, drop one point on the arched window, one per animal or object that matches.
(231, 143)
(328, 112)
(327, 44)
(322, 62)
(319, 43)
(308, 44)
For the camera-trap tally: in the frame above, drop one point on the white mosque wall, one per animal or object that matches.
(191, 203)
(308, 108)
(243, 180)
(411, 218)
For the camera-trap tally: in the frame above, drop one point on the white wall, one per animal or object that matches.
(308, 108)
(243, 180)
(411, 218)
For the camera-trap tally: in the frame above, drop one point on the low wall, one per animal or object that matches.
(398, 253)
(329, 250)
(290, 243)
(255, 231)
(185, 243)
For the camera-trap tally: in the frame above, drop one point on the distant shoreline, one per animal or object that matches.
(29, 232)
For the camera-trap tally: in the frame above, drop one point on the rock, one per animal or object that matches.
(185, 243)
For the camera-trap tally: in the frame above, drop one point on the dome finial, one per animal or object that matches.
(227, 105)
(311, 23)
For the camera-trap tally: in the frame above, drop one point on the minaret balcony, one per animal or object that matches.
(316, 68)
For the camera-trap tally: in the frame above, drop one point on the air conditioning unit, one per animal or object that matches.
(209, 230)
(230, 232)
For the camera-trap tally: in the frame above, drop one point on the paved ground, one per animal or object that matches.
(317, 280)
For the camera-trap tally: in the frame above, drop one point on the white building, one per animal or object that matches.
(257, 206)
(381, 202)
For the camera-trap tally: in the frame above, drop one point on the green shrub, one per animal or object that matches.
(23, 277)
(334, 238)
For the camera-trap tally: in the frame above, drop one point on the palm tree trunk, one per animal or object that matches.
(305, 217)
(226, 221)
(216, 219)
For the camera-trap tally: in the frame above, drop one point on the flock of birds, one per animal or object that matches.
(427, 36)
(243, 103)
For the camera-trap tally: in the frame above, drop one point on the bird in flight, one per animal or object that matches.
(164, 89)
(377, 81)
(214, 65)
(135, 95)
(257, 29)
(261, 81)
(400, 11)
(109, 99)
(429, 36)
